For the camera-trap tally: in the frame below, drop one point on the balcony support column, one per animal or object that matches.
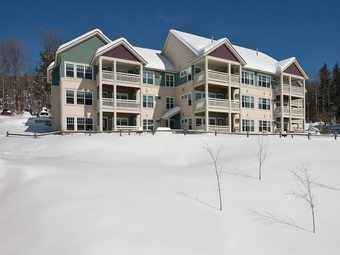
(229, 96)
(115, 96)
(141, 98)
(290, 104)
(240, 99)
(206, 96)
(100, 96)
(304, 105)
(281, 102)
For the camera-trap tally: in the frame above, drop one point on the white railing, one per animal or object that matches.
(297, 90)
(218, 76)
(216, 103)
(297, 112)
(123, 103)
(296, 103)
(123, 127)
(235, 78)
(219, 103)
(199, 104)
(107, 76)
(107, 102)
(285, 88)
(219, 128)
(199, 78)
(128, 78)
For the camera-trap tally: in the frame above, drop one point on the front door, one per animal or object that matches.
(172, 123)
(105, 124)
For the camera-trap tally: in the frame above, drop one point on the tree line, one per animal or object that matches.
(23, 86)
(323, 95)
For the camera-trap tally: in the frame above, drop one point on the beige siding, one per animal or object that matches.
(177, 52)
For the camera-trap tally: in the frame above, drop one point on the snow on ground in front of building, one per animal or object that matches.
(24, 122)
(144, 194)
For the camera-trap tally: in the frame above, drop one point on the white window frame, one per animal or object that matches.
(147, 125)
(169, 103)
(250, 127)
(70, 120)
(264, 128)
(169, 78)
(267, 103)
(247, 75)
(75, 70)
(248, 102)
(75, 97)
(266, 81)
(153, 77)
(147, 101)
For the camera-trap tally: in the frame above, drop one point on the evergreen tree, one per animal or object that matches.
(336, 86)
(325, 90)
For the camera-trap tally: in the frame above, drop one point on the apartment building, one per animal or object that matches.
(193, 82)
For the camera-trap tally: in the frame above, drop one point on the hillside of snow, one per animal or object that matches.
(146, 195)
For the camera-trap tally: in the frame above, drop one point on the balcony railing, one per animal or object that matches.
(217, 104)
(212, 128)
(298, 91)
(216, 76)
(128, 78)
(122, 105)
(295, 112)
(123, 127)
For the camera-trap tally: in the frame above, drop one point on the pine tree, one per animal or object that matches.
(336, 86)
(325, 91)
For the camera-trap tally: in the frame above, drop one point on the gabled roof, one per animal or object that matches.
(284, 64)
(201, 46)
(102, 50)
(83, 38)
(156, 60)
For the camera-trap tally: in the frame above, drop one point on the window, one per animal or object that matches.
(148, 124)
(69, 97)
(80, 97)
(69, 123)
(148, 101)
(122, 121)
(80, 123)
(264, 126)
(88, 98)
(69, 70)
(170, 102)
(186, 73)
(264, 81)
(148, 77)
(248, 101)
(82, 71)
(89, 124)
(169, 80)
(264, 103)
(247, 78)
(199, 95)
(248, 125)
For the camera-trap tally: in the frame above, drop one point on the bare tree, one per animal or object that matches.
(215, 156)
(262, 155)
(304, 178)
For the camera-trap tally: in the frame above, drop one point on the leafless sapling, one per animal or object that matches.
(262, 155)
(304, 178)
(215, 156)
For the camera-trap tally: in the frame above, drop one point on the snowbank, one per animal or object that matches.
(145, 195)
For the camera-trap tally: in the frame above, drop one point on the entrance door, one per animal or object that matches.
(105, 124)
(172, 123)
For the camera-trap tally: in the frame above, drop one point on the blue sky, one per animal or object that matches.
(308, 30)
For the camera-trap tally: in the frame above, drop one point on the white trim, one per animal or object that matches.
(75, 70)
(75, 97)
(173, 79)
(153, 77)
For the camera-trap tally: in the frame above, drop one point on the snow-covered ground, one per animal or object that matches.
(145, 195)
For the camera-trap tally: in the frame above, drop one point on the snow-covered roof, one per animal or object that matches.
(254, 59)
(50, 65)
(83, 37)
(155, 59)
(172, 112)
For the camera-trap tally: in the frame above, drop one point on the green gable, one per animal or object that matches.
(81, 53)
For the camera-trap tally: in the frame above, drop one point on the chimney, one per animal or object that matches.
(257, 51)
(212, 39)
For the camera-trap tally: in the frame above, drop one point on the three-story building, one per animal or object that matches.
(193, 82)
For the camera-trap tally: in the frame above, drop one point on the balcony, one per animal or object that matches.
(126, 128)
(212, 128)
(295, 112)
(295, 91)
(123, 105)
(215, 76)
(216, 104)
(122, 78)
